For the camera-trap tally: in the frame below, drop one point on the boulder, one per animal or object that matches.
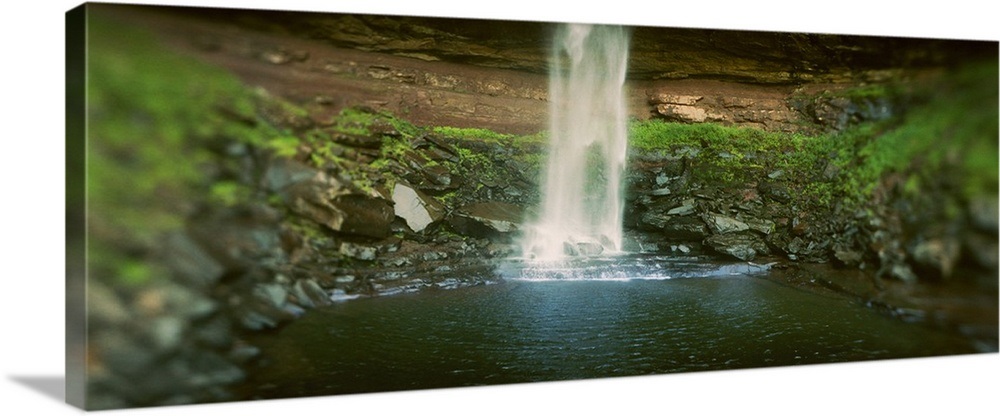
(309, 294)
(983, 214)
(682, 113)
(687, 207)
(939, 255)
(189, 262)
(416, 208)
(721, 224)
(744, 246)
(359, 215)
(328, 200)
(487, 219)
(674, 227)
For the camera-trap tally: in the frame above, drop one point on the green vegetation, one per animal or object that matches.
(726, 154)
(953, 132)
(153, 116)
(490, 136)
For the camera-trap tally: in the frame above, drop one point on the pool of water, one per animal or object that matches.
(596, 318)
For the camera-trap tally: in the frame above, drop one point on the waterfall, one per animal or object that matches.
(581, 209)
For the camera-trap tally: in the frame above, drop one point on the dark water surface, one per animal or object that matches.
(599, 319)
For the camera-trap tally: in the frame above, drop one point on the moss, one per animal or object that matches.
(473, 134)
(153, 118)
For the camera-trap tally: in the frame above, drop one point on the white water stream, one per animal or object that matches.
(581, 211)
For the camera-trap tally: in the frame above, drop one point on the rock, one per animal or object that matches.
(744, 246)
(329, 201)
(686, 208)
(848, 257)
(682, 113)
(339, 295)
(939, 255)
(586, 249)
(438, 177)
(903, 272)
(271, 293)
(662, 179)
(486, 219)
(665, 98)
(166, 332)
(721, 224)
(983, 250)
(310, 294)
(417, 209)
(357, 251)
(983, 214)
(340, 211)
(799, 226)
(356, 140)
(676, 228)
(778, 193)
(660, 192)
(284, 172)
(189, 262)
(104, 306)
(763, 226)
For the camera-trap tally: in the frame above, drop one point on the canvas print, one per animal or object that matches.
(278, 204)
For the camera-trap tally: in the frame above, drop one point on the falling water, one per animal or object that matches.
(581, 211)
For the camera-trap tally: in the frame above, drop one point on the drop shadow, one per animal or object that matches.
(52, 386)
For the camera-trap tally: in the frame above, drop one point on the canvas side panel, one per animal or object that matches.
(76, 274)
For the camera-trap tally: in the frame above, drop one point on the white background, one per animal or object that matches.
(32, 226)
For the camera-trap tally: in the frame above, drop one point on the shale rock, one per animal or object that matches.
(487, 219)
(416, 208)
(744, 246)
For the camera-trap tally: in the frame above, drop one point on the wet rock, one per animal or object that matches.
(166, 332)
(436, 148)
(983, 214)
(104, 306)
(357, 251)
(189, 262)
(848, 257)
(329, 201)
(282, 173)
(486, 219)
(437, 177)
(799, 226)
(309, 294)
(676, 228)
(585, 249)
(417, 209)
(660, 192)
(721, 224)
(339, 295)
(763, 226)
(687, 207)
(778, 193)
(939, 255)
(744, 246)
(271, 293)
(903, 272)
(355, 214)
(243, 353)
